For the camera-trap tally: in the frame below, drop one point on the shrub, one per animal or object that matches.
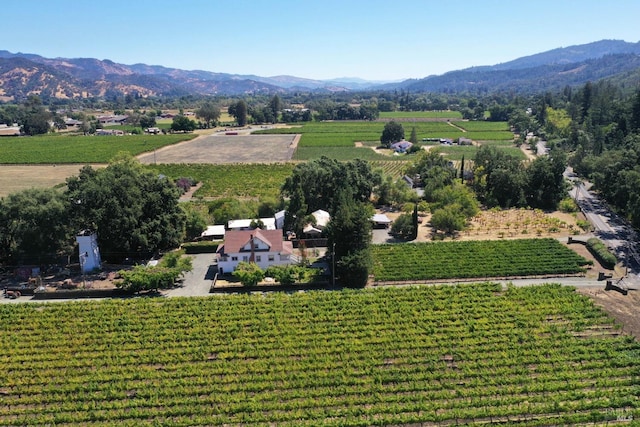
(601, 253)
(204, 247)
(568, 205)
(403, 227)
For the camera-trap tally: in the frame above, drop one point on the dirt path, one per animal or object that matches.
(457, 127)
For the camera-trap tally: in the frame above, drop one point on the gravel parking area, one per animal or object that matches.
(198, 281)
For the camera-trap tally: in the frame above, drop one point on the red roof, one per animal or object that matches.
(235, 240)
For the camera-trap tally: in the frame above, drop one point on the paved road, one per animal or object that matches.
(614, 231)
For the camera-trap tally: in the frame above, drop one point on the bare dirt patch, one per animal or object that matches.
(220, 148)
(623, 308)
(14, 178)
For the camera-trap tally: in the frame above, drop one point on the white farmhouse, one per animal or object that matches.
(264, 247)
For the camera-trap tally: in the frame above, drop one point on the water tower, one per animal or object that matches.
(89, 251)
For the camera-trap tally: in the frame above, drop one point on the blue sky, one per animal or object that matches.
(370, 39)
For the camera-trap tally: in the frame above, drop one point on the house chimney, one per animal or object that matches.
(252, 257)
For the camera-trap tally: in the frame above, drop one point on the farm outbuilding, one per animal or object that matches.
(213, 232)
(380, 221)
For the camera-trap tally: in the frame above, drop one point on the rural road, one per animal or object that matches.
(615, 232)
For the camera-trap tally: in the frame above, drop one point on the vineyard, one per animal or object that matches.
(474, 259)
(248, 181)
(472, 354)
(49, 149)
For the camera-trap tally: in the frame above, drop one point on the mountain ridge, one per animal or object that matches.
(22, 74)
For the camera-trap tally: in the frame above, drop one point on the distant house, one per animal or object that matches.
(245, 224)
(107, 132)
(401, 146)
(113, 119)
(9, 130)
(72, 122)
(263, 247)
(321, 218)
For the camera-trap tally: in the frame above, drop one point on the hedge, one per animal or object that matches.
(601, 253)
(204, 247)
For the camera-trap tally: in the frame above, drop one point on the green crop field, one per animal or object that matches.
(341, 154)
(247, 181)
(451, 355)
(474, 259)
(455, 152)
(49, 149)
(421, 114)
(475, 126)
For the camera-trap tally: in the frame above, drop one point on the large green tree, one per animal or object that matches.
(349, 238)
(134, 210)
(239, 112)
(36, 117)
(34, 226)
(208, 112)
(392, 132)
(183, 124)
(319, 181)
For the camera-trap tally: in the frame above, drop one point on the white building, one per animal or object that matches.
(245, 224)
(88, 250)
(263, 247)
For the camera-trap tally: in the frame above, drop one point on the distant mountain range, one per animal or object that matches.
(23, 74)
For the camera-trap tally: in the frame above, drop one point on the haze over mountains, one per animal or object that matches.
(24, 74)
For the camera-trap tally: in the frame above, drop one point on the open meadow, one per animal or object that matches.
(446, 355)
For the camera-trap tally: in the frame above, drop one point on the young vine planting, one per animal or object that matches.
(474, 259)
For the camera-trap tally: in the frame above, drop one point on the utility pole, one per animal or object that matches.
(333, 267)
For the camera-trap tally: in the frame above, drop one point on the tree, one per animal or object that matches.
(147, 121)
(195, 222)
(34, 226)
(414, 136)
(134, 211)
(249, 273)
(36, 117)
(162, 276)
(285, 274)
(392, 132)
(275, 105)
(183, 124)
(403, 227)
(545, 180)
(319, 181)
(448, 219)
(349, 236)
(208, 112)
(239, 111)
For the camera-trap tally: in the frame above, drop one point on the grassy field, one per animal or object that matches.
(452, 355)
(50, 149)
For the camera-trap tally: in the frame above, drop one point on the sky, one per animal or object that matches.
(380, 40)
